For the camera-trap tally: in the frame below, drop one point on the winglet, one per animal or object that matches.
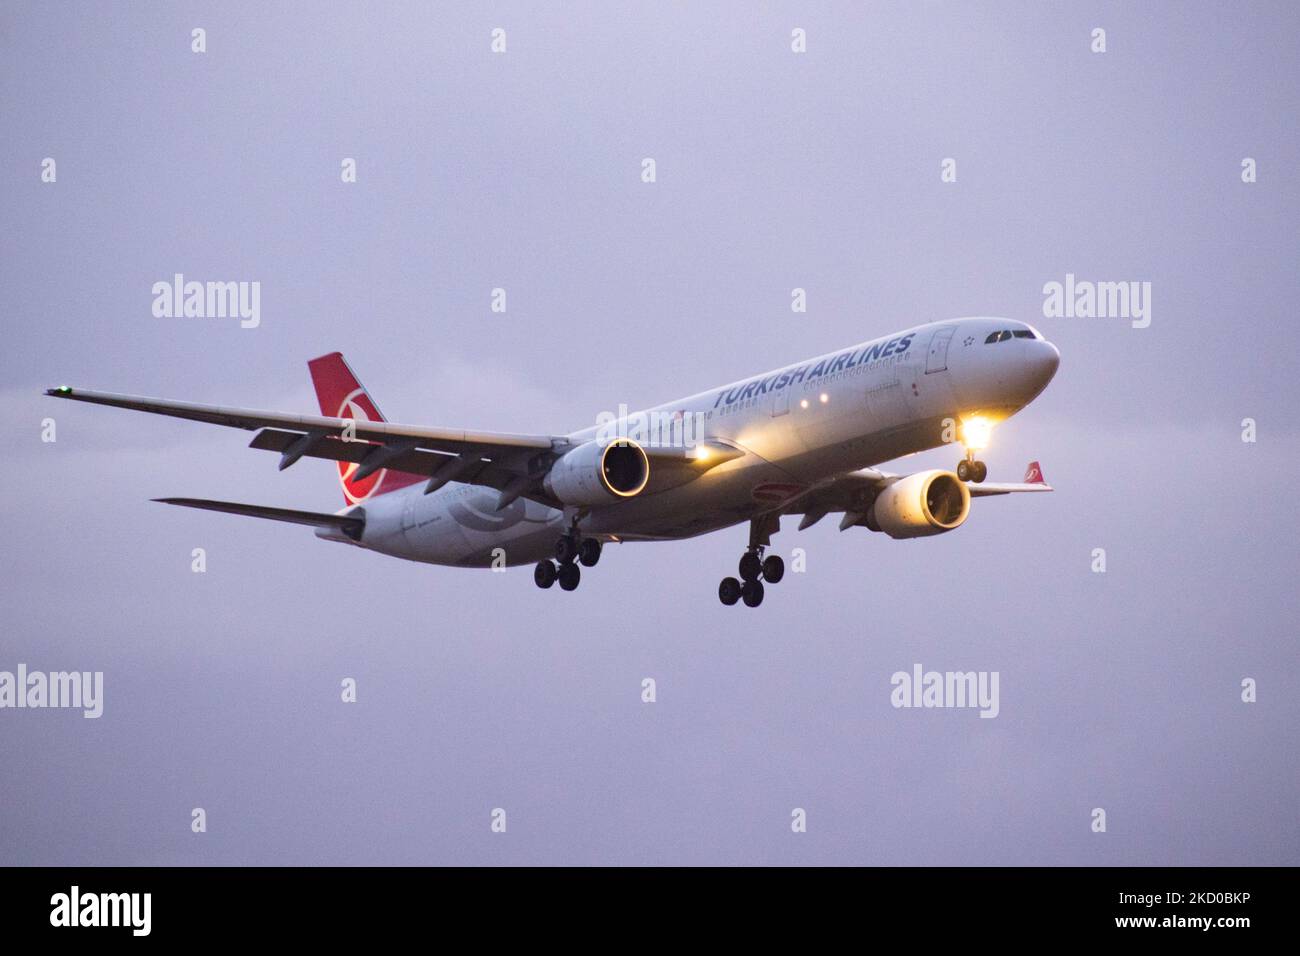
(1034, 475)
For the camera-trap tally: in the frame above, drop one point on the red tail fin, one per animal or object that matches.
(342, 396)
(1034, 475)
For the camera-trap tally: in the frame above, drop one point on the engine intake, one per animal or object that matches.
(596, 474)
(926, 503)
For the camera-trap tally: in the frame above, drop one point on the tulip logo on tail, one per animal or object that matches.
(341, 395)
(1034, 474)
(358, 407)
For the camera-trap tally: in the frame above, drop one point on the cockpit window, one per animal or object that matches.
(1005, 335)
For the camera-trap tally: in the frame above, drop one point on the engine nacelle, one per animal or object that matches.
(597, 474)
(928, 502)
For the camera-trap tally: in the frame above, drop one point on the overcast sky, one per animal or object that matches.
(775, 170)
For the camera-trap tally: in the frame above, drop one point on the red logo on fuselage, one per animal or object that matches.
(775, 492)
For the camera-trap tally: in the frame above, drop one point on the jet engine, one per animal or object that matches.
(926, 503)
(597, 474)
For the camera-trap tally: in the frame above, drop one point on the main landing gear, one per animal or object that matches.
(754, 568)
(570, 551)
(968, 469)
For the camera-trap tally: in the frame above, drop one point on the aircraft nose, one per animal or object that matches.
(1044, 359)
(1048, 359)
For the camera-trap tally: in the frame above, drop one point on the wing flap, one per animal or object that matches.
(414, 461)
(502, 471)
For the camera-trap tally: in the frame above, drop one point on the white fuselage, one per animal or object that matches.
(797, 425)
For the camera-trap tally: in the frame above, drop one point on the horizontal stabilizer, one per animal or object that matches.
(1033, 481)
(350, 525)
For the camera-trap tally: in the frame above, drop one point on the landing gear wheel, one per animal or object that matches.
(566, 549)
(981, 472)
(773, 568)
(729, 591)
(752, 593)
(589, 552)
(569, 575)
(750, 567)
(964, 470)
(544, 574)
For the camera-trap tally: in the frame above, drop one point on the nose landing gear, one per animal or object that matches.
(975, 432)
(968, 469)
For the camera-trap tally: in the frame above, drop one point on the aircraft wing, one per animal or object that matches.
(852, 494)
(441, 439)
(495, 459)
(510, 463)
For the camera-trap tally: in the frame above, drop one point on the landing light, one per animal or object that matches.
(825, 398)
(975, 433)
(803, 403)
(701, 453)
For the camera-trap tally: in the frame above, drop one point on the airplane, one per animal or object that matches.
(803, 440)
